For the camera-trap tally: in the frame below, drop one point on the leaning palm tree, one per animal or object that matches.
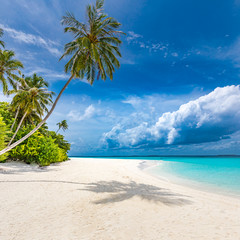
(1, 34)
(9, 67)
(32, 98)
(62, 125)
(93, 51)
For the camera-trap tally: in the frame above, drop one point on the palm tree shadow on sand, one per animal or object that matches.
(120, 191)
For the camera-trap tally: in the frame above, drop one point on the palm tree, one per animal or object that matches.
(27, 83)
(36, 81)
(31, 99)
(32, 118)
(8, 69)
(63, 124)
(1, 34)
(94, 50)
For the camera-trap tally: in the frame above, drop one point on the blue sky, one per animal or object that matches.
(175, 93)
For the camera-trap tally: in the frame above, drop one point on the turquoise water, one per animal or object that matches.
(218, 173)
(213, 173)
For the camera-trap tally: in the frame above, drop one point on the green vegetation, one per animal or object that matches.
(40, 148)
(6, 113)
(2, 138)
(1, 34)
(43, 147)
(31, 99)
(9, 67)
(93, 53)
(95, 46)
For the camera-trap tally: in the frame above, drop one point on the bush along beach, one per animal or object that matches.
(3, 135)
(43, 147)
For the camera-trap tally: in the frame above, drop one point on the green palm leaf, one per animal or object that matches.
(9, 70)
(30, 101)
(94, 50)
(1, 42)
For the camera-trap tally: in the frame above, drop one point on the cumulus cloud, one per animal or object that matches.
(88, 113)
(210, 118)
(32, 39)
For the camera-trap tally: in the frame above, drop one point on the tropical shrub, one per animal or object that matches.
(6, 119)
(6, 113)
(2, 138)
(60, 141)
(43, 147)
(38, 149)
(49, 152)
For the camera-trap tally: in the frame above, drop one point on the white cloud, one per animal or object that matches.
(49, 74)
(228, 52)
(134, 101)
(4, 98)
(45, 72)
(32, 39)
(151, 46)
(231, 52)
(160, 103)
(132, 36)
(88, 113)
(174, 54)
(207, 119)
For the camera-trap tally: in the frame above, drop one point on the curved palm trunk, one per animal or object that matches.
(16, 115)
(41, 123)
(57, 130)
(19, 125)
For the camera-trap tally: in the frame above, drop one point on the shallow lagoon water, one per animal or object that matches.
(210, 173)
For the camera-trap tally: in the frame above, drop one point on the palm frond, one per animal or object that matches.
(94, 50)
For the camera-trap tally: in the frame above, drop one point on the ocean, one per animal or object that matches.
(220, 174)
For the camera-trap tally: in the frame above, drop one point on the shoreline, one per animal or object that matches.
(96, 199)
(146, 165)
(192, 184)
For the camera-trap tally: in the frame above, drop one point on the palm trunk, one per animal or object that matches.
(15, 118)
(41, 123)
(19, 125)
(57, 130)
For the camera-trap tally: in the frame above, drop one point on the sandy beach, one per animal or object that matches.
(106, 199)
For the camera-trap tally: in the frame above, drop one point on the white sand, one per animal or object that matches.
(108, 199)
